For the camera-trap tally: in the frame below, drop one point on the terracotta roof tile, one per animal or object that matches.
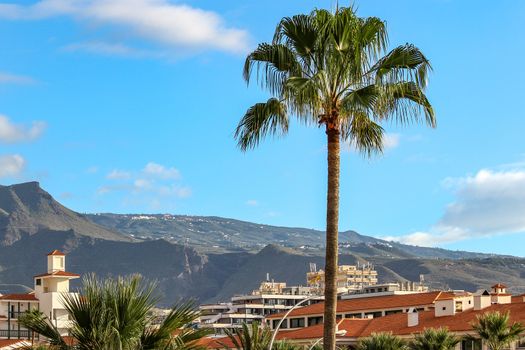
(24, 297)
(56, 252)
(397, 323)
(368, 303)
(11, 342)
(499, 285)
(353, 327)
(59, 273)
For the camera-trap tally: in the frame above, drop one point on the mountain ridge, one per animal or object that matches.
(175, 251)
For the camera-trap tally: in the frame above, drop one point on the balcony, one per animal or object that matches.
(17, 334)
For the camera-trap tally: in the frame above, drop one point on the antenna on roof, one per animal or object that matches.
(267, 277)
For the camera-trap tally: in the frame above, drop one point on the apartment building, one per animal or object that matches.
(349, 278)
(46, 297)
(270, 298)
(365, 307)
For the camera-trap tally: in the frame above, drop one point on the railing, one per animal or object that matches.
(15, 314)
(16, 334)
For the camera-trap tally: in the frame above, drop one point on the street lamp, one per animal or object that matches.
(284, 318)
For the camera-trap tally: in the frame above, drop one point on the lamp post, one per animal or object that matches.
(284, 318)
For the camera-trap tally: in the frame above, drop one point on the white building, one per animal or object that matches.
(46, 297)
(270, 298)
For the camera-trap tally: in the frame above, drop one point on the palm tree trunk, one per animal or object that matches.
(331, 255)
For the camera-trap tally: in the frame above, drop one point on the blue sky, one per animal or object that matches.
(130, 106)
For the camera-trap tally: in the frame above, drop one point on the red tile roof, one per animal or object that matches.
(10, 342)
(56, 252)
(217, 343)
(353, 327)
(397, 323)
(452, 295)
(370, 303)
(59, 273)
(24, 297)
(499, 285)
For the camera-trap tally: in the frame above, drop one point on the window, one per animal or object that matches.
(521, 343)
(471, 344)
(459, 306)
(312, 321)
(391, 312)
(358, 315)
(444, 308)
(296, 322)
(38, 282)
(284, 325)
(62, 262)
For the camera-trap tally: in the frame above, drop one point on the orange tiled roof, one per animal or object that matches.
(24, 297)
(59, 273)
(452, 295)
(353, 327)
(397, 323)
(217, 343)
(11, 342)
(499, 285)
(369, 303)
(56, 252)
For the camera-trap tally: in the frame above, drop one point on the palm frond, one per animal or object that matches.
(405, 102)
(435, 339)
(363, 133)
(382, 341)
(174, 332)
(273, 63)
(37, 322)
(261, 120)
(404, 63)
(495, 330)
(299, 33)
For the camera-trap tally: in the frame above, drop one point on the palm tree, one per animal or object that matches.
(331, 70)
(117, 314)
(250, 337)
(435, 339)
(495, 330)
(382, 341)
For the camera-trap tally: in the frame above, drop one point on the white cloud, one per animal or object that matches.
(11, 165)
(252, 202)
(163, 22)
(391, 141)
(7, 78)
(116, 174)
(486, 204)
(112, 49)
(158, 170)
(11, 133)
(153, 183)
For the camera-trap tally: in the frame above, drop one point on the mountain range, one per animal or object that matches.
(212, 258)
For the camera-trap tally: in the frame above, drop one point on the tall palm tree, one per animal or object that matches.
(117, 314)
(332, 70)
(382, 341)
(495, 330)
(435, 339)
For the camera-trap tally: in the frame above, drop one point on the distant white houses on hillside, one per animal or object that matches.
(46, 297)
